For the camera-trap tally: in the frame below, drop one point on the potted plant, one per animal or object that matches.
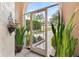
(19, 35)
(63, 42)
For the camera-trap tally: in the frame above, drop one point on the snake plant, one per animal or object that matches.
(63, 42)
(19, 35)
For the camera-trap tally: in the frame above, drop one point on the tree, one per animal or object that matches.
(36, 21)
(39, 17)
(54, 19)
(36, 25)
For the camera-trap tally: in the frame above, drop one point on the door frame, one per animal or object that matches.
(38, 50)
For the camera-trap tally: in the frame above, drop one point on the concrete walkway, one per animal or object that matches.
(27, 53)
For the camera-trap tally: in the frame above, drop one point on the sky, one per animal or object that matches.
(38, 5)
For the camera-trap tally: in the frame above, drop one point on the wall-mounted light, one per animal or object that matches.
(10, 25)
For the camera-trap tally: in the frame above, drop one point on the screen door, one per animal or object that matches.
(38, 30)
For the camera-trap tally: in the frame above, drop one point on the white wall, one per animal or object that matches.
(7, 42)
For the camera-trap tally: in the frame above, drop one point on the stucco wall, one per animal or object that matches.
(20, 8)
(7, 42)
(19, 12)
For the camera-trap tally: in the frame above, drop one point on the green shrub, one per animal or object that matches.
(34, 39)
